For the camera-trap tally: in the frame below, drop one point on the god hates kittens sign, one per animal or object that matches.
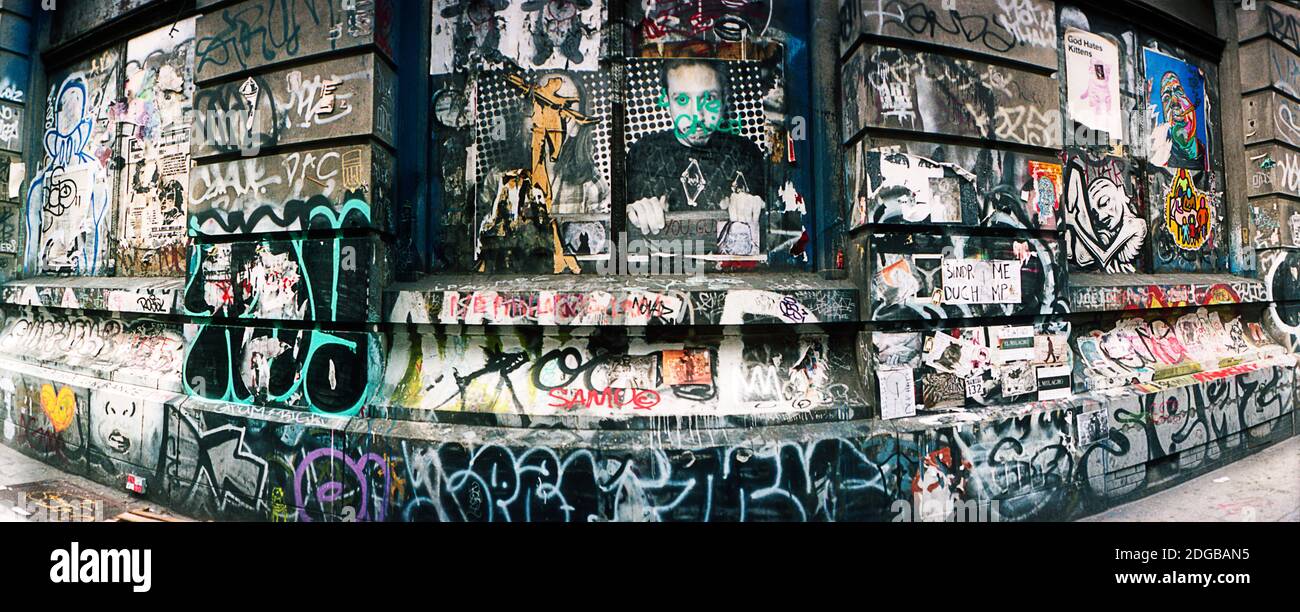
(980, 281)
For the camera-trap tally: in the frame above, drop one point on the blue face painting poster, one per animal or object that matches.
(1176, 104)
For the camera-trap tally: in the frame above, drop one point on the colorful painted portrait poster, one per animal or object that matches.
(1176, 107)
(1092, 82)
(1045, 193)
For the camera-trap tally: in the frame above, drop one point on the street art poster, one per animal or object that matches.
(688, 367)
(697, 146)
(70, 195)
(1105, 230)
(155, 134)
(1053, 382)
(957, 356)
(534, 34)
(1092, 82)
(524, 113)
(1189, 216)
(1186, 220)
(542, 170)
(897, 392)
(1093, 426)
(1045, 193)
(904, 188)
(1012, 343)
(1176, 107)
(1018, 379)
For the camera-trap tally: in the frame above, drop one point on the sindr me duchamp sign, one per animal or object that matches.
(980, 281)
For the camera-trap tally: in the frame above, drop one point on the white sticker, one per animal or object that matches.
(1092, 82)
(17, 172)
(980, 281)
(975, 385)
(897, 392)
(1053, 382)
(1012, 343)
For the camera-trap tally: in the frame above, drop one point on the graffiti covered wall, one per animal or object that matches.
(1064, 458)
(1273, 157)
(302, 148)
(623, 201)
(109, 194)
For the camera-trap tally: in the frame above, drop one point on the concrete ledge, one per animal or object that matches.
(837, 412)
(140, 350)
(716, 299)
(1046, 461)
(120, 294)
(1115, 292)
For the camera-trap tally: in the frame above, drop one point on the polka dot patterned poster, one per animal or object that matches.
(747, 86)
(501, 104)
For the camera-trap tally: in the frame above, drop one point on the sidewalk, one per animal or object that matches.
(1262, 487)
(54, 490)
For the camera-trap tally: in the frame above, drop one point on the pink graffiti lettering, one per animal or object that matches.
(637, 399)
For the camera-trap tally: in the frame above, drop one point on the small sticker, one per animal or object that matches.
(897, 392)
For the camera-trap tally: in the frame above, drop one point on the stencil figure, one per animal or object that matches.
(552, 118)
(480, 32)
(557, 26)
(552, 114)
(1106, 233)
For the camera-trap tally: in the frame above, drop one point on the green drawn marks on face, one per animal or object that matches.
(687, 120)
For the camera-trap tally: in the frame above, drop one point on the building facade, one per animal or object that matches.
(578, 260)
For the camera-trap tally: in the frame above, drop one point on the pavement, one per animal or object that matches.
(1262, 487)
(32, 491)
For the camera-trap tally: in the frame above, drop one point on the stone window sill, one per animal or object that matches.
(1122, 292)
(152, 295)
(715, 299)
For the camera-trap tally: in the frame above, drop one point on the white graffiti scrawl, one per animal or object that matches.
(68, 200)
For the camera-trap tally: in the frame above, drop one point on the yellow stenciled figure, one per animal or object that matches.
(552, 112)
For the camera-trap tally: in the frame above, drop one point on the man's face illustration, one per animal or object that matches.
(1108, 205)
(1179, 111)
(695, 102)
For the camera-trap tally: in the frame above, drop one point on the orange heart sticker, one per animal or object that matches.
(60, 407)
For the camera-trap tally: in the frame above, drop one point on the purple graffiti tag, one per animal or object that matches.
(333, 490)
